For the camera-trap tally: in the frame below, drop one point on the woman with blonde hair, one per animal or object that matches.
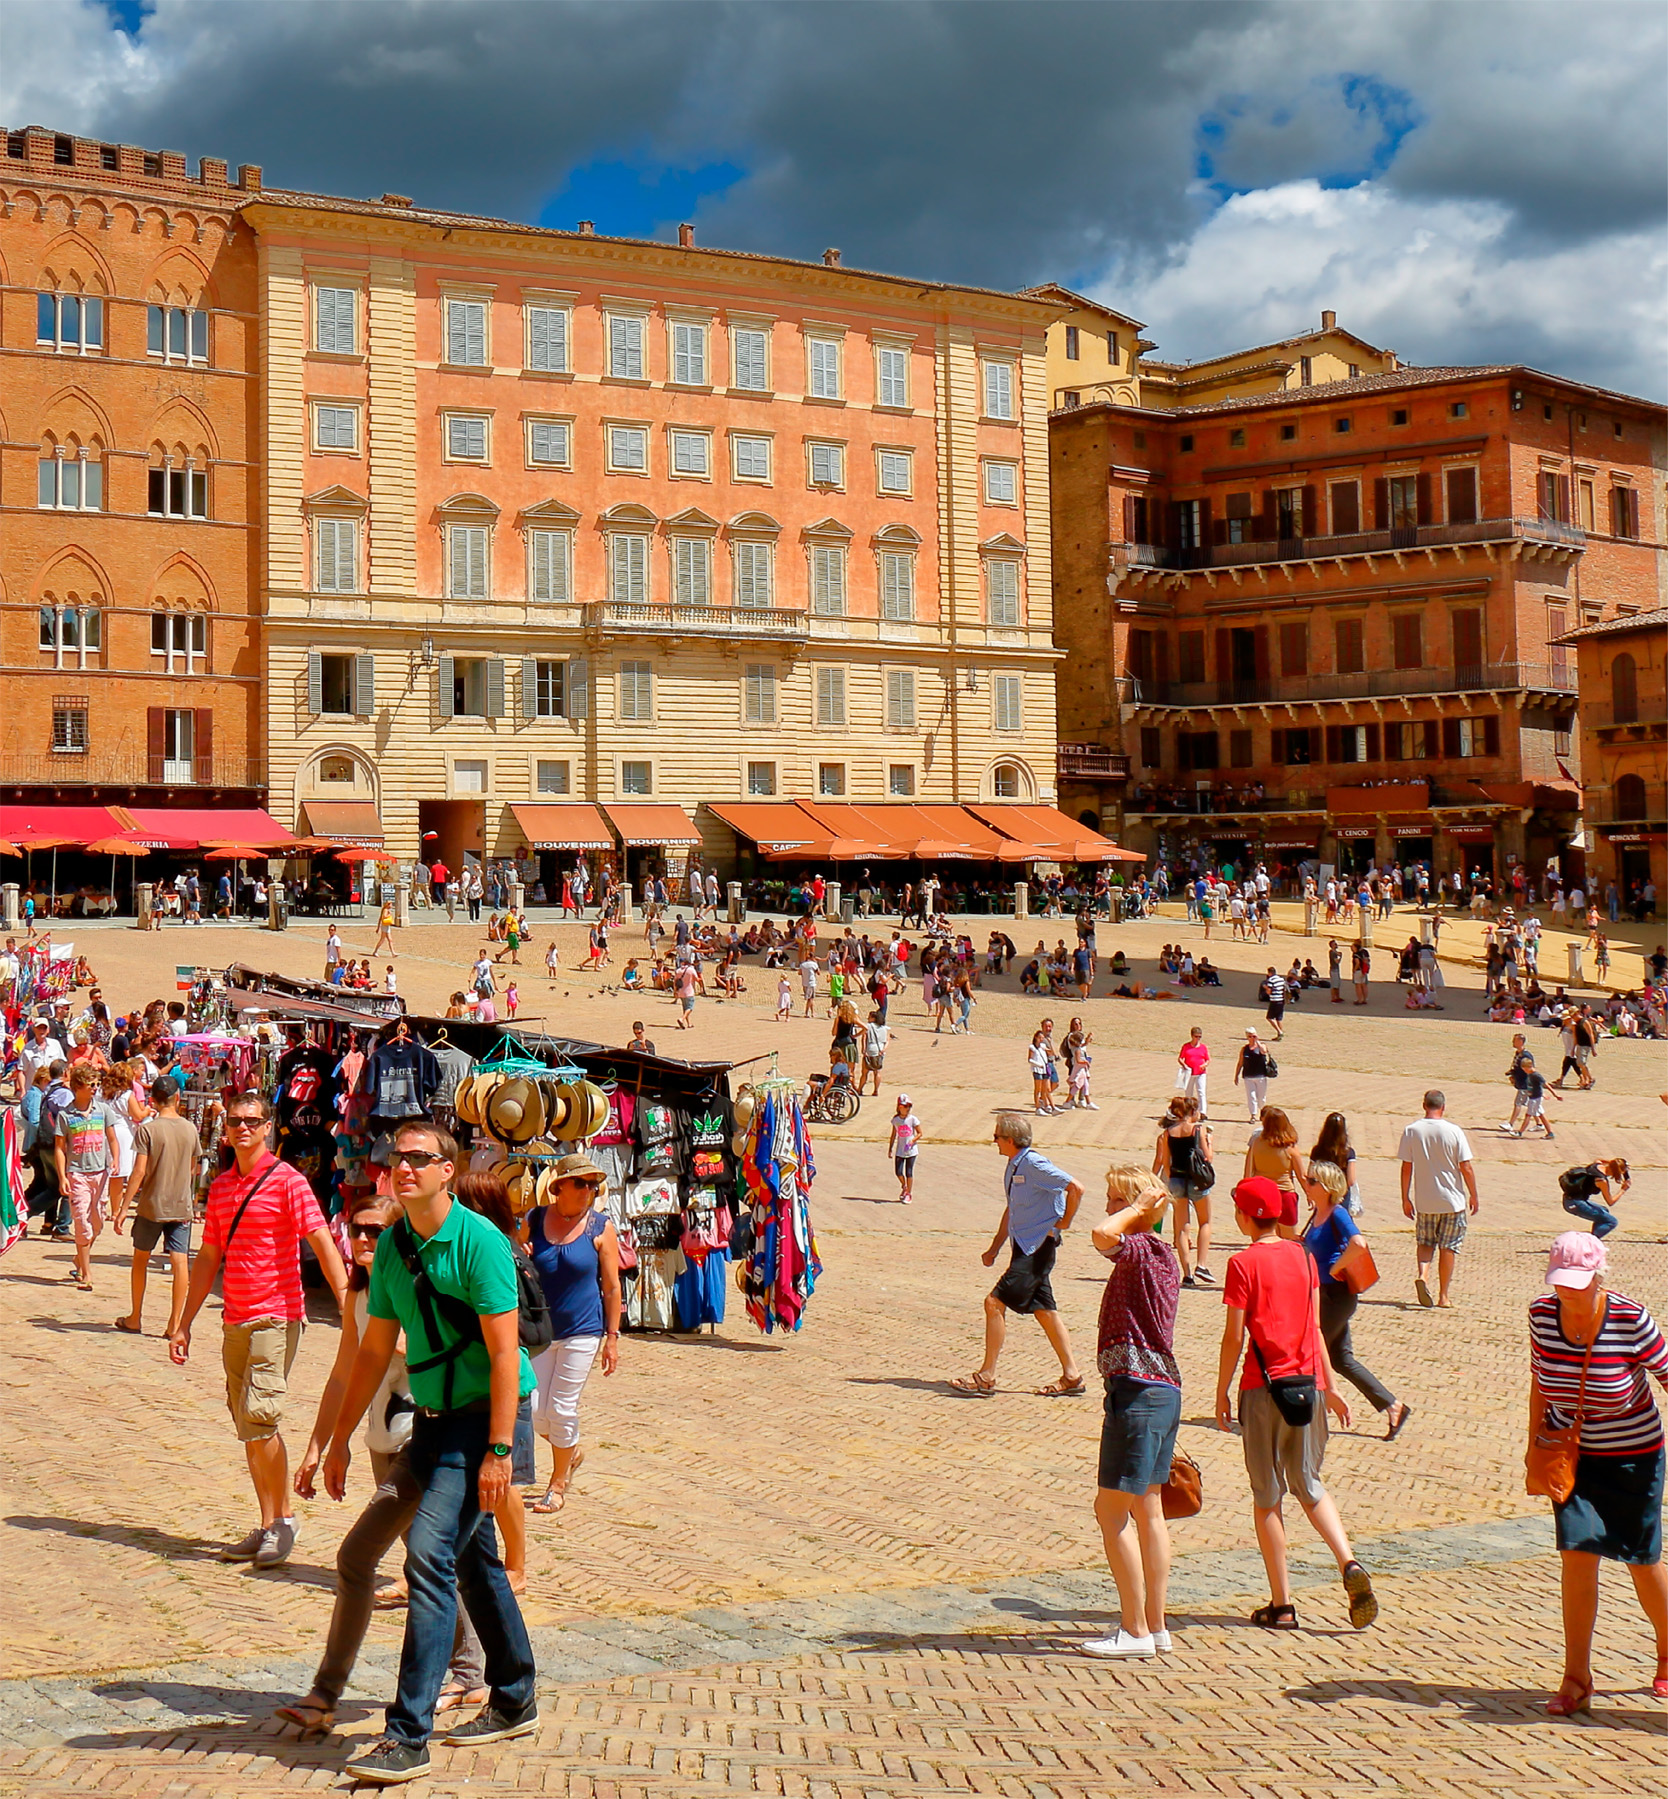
(1272, 1153)
(1136, 1359)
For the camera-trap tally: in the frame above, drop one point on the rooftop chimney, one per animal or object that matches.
(831, 258)
(249, 177)
(1329, 321)
(396, 199)
(686, 236)
(587, 228)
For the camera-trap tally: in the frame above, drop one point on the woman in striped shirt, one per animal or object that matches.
(1615, 1510)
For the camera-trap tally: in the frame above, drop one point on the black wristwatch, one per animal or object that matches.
(500, 1449)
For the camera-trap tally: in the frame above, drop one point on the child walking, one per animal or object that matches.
(784, 998)
(903, 1145)
(1534, 1092)
(1080, 1081)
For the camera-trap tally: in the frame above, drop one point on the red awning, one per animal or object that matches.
(556, 827)
(188, 828)
(1053, 836)
(347, 822)
(665, 826)
(78, 824)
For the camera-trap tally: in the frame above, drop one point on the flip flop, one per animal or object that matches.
(133, 1330)
(455, 1697)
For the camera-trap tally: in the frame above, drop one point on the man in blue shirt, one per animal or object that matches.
(1042, 1201)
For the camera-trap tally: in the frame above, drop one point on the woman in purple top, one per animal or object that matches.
(1136, 1359)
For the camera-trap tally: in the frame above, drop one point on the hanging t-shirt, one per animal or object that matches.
(711, 1126)
(454, 1064)
(616, 1127)
(402, 1079)
(307, 1091)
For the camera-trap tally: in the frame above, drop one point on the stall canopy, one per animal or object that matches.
(573, 827)
(344, 822)
(1052, 835)
(189, 828)
(68, 824)
(665, 826)
(769, 825)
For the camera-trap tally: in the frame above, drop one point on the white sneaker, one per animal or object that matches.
(1161, 1642)
(1121, 1645)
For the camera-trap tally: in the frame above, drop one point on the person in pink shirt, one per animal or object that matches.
(1194, 1058)
(259, 1211)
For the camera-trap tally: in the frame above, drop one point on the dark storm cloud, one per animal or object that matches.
(993, 143)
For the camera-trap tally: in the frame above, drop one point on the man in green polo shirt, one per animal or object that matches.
(445, 1276)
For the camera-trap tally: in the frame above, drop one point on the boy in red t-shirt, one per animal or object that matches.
(1272, 1293)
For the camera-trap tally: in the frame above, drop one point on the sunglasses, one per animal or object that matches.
(370, 1231)
(243, 1121)
(413, 1158)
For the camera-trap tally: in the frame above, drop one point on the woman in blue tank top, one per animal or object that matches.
(577, 1254)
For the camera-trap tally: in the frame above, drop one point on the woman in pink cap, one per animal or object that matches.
(1590, 1351)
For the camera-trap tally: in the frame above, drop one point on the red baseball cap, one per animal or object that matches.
(1258, 1197)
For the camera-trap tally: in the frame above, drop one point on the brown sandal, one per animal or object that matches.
(1063, 1389)
(976, 1385)
(314, 1718)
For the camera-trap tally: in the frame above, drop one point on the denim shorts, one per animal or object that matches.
(1138, 1434)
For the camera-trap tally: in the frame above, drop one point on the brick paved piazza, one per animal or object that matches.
(804, 1567)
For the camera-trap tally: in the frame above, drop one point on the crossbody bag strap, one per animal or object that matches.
(237, 1219)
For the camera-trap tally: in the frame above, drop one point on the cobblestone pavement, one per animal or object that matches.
(803, 1566)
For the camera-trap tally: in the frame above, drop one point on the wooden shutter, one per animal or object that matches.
(1429, 731)
(315, 688)
(364, 685)
(1204, 523)
(1395, 749)
(1462, 496)
(1450, 737)
(1224, 655)
(347, 555)
(1563, 492)
(495, 687)
(445, 679)
(1309, 524)
(1491, 735)
(1468, 638)
(578, 694)
(1161, 658)
(202, 746)
(1260, 639)
(1372, 743)
(529, 687)
(1129, 518)
(1268, 519)
(1277, 747)
(156, 742)
(1381, 505)
(1334, 743)
(1422, 499)
(1346, 508)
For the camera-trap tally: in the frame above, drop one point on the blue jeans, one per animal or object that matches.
(451, 1547)
(1597, 1214)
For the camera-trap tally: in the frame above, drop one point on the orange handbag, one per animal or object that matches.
(1355, 1266)
(1549, 1464)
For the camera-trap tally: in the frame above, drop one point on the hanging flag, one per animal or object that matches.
(184, 977)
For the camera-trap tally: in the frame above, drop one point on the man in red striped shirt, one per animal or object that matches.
(258, 1213)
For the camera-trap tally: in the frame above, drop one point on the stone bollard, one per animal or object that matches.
(623, 892)
(1364, 925)
(1311, 910)
(735, 912)
(401, 883)
(1427, 931)
(1022, 899)
(142, 905)
(1577, 974)
(11, 907)
(277, 907)
(831, 900)
(518, 896)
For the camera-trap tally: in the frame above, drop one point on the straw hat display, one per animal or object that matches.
(587, 1109)
(513, 1111)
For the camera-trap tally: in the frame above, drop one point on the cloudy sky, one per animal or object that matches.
(1463, 180)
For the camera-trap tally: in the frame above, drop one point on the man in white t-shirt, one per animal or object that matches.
(1439, 1193)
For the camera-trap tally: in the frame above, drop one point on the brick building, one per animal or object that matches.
(129, 481)
(559, 523)
(1622, 672)
(1322, 621)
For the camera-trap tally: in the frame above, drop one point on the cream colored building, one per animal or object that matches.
(560, 520)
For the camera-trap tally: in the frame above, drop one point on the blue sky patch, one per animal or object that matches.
(632, 199)
(130, 15)
(1340, 130)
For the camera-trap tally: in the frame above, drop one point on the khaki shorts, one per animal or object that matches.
(1281, 1458)
(257, 1358)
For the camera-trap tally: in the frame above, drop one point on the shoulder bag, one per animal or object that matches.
(1204, 1170)
(1183, 1492)
(1549, 1464)
(1355, 1266)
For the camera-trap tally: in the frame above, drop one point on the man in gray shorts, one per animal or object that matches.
(158, 1193)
